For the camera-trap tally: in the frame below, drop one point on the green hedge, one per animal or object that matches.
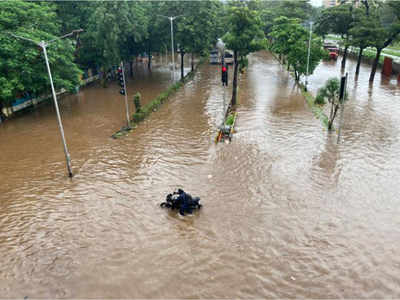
(161, 98)
(229, 120)
(155, 103)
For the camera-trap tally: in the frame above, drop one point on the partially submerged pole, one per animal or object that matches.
(342, 97)
(67, 156)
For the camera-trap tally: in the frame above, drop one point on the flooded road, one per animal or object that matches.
(286, 211)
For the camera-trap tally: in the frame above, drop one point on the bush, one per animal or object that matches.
(142, 112)
(319, 100)
(229, 120)
(136, 100)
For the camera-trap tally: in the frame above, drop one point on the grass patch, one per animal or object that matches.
(395, 46)
(315, 108)
(156, 103)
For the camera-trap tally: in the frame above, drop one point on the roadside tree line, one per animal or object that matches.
(113, 31)
(369, 23)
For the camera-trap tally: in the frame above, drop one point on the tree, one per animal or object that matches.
(297, 56)
(22, 67)
(337, 20)
(244, 36)
(112, 27)
(361, 33)
(290, 40)
(195, 30)
(291, 9)
(385, 20)
(157, 33)
(330, 92)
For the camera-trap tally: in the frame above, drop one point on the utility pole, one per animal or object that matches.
(172, 47)
(44, 45)
(308, 55)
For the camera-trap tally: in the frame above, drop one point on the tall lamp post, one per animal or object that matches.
(171, 19)
(221, 48)
(308, 55)
(44, 45)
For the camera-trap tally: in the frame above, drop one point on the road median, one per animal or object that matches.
(155, 104)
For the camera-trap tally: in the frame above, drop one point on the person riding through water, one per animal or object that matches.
(182, 201)
(185, 201)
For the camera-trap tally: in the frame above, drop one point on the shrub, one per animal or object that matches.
(136, 100)
(320, 100)
(229, 120)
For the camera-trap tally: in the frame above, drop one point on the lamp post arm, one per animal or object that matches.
(173, 18)
(163, 16)
(23, 38)
(65, 35)
(45, 43)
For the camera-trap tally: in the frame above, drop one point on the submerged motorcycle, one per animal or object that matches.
(182, 201)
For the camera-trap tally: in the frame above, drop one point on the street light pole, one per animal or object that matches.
(171, 19)
(43, 45)
(308, 55)
(172, 47)
(67, 156)
(221, 48)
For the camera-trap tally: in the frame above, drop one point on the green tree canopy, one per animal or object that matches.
(361, 34)
(245, 35)
(291, 9)
(336, 20)
(291, 39)
(385, 28)
(22, 67)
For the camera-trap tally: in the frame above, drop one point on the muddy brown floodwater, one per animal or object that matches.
(286, 211)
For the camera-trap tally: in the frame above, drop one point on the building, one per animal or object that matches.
(330, 3)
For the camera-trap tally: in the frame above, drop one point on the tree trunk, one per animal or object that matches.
(104, 77)
(131, 67)
(192, 62)
(375, 65)
(359, 60)
(149, 61)
(182, 71)
(332, 115)
(344, 57)
(235, 75)
(149, 55)
(296, 75)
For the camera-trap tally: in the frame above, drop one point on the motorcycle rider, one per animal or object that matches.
(185, 201)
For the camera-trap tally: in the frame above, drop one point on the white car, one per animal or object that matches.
(228, 57)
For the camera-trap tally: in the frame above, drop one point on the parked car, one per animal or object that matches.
(214, 57)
